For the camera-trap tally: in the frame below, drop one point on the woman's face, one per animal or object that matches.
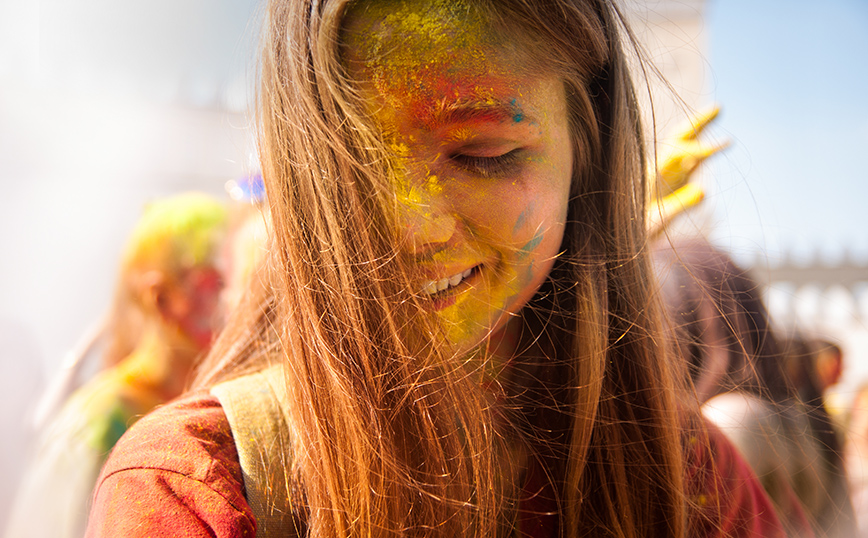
(482, 156)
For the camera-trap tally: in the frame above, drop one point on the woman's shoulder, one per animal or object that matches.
(175, 472)
(179, 436)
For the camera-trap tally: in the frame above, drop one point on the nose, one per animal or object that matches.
(426, 218)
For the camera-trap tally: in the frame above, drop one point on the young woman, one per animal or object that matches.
(456, 317)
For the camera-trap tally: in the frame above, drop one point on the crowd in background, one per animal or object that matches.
(184, 267)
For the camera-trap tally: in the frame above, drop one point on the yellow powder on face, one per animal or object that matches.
(433, 185)
(462, 319)
(409, 51)
(417, 62)
(461, 134)
(399, 149)
(413, 198)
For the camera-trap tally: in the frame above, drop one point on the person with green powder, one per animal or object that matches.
(165, 313)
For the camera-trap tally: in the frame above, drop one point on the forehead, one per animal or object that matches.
(442, 53)
(402, 29)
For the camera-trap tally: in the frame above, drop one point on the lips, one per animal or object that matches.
(433, 287)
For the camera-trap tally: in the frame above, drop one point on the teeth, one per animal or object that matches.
(435, 286)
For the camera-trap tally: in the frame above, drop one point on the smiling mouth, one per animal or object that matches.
(438, 288)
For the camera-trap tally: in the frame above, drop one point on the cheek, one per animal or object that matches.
(534, 259)
(537, 231)
(537, 226)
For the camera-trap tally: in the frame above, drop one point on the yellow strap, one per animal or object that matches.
(253, 406)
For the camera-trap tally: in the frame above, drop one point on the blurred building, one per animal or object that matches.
(826, 298)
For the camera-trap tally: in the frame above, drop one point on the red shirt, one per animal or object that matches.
(176, 473)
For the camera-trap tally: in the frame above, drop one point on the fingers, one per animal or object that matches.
(672, 192)
(679, 159)
(699, 122)
(682, 161)
(660, 214)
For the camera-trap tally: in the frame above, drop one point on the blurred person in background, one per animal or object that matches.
(812, 365)
(164, 317)
(856, 456)
(741, 377)
(828, 362)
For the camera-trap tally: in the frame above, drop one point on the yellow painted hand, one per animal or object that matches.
(672, 193)
(679, 157)
(661, 213)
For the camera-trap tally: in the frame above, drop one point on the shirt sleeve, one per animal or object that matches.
(175, 473)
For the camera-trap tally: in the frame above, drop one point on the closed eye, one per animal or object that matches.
(489, 166)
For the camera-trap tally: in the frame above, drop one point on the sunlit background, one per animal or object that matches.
(105, 105)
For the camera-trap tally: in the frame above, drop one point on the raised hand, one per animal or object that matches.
(672, 193)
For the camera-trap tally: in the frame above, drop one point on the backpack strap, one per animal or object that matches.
(254, 408)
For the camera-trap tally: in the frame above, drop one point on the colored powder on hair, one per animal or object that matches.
(176, 233)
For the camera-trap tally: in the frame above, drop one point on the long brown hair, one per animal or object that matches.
(390, 435)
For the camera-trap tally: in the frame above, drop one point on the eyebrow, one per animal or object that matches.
(476, 110)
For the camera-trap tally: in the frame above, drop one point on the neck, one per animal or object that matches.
(502, 381)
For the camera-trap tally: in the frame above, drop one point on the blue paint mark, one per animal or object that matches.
(529, 272)
(522, 218)
(519, 222)
(532, 244)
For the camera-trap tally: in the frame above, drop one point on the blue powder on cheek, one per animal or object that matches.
(532, 244)
(522, 218)
(520, 222)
